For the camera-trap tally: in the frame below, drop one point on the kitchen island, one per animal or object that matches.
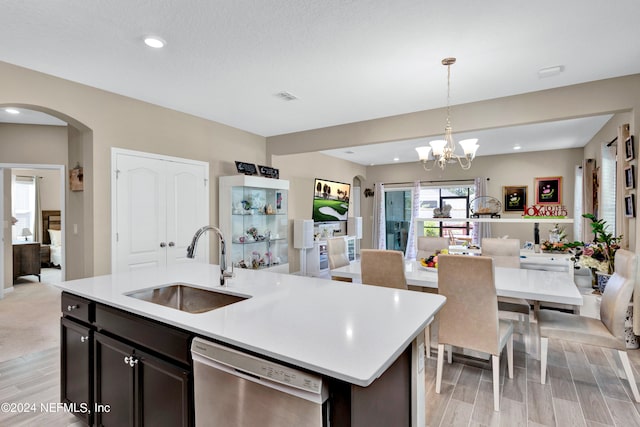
(350, 334)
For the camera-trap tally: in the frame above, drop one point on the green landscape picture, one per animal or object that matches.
(331, 201)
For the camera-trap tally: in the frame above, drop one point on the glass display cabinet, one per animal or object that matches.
(254, 220)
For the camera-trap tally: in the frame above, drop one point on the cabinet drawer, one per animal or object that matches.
(155, 336)
(77, 307)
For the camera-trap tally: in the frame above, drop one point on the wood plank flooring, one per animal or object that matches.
(33, 380)
(585, 387)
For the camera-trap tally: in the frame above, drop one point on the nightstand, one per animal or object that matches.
(45, 256)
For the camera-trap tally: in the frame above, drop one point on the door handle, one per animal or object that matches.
(171, 244)
(163, 244)
(84, 339)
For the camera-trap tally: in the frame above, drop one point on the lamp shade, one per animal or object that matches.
(438, 146)
(423, 152)
(469, 146)
(25, 232)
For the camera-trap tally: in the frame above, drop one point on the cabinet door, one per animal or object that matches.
(164, 393)
(114, 382)
(76, 361)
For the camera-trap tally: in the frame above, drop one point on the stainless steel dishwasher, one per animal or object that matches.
(237, 389)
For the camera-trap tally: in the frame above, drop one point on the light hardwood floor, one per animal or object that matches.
(583, 388)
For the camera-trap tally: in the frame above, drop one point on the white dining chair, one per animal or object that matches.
(469, 318)
(337, 254)
(380, 267)
(506, 253)
(428, 245)
(608, 331)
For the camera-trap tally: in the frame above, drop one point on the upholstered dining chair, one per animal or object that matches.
(506, 253)
(337, 253)
(608, 331)
(469, 318)
(381, 267)
(429, 245)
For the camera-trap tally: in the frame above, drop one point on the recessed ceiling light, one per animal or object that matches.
(550, 71)
(517, 147)
(154, 42)
(396, 159)
(12, 111)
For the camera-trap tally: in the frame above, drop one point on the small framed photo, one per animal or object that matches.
(629, 177)
(514, 198)
(548, 190)
(629, 149)
(630, 206)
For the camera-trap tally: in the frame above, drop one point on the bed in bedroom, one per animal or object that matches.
(51, 238)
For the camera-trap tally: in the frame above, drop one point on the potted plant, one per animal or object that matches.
(599, 255)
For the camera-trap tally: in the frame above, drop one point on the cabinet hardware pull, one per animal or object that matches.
(72, 307)
(171, 244)
(130, 360)
(84, 339)
(163, 244)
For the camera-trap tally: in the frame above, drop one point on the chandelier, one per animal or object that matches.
(443, 150)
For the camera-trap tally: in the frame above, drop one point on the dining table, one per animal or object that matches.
(538, 286)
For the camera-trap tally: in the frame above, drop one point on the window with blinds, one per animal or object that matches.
(607, 198)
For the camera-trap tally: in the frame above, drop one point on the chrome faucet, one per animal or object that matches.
(191, 251)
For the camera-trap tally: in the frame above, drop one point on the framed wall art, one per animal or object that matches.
(629, 177)
(629, 206)
(514, 198)
(629, 149)
(548, 190)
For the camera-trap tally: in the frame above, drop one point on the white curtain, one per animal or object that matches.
(480, 229)
(379, 221)
(577, 203)
(588, 168)
(37, 217)
(411, 251)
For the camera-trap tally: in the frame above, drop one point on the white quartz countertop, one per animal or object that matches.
(351, 332)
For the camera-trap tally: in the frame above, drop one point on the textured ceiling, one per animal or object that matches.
(345, 60)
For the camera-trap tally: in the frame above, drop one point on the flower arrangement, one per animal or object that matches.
(556, 247)
(600, 253)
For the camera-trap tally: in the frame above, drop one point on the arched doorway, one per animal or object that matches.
(76, 207)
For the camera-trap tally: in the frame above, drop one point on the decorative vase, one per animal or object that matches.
(602, 279)
(631, 339)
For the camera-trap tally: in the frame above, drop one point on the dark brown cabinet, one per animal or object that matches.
(76, 368)
(128, 370)
(134, 388)
(26, 259)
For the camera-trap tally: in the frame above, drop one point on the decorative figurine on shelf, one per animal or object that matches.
(255, 259)
(443, 212)
(268, 210)
(253, 232)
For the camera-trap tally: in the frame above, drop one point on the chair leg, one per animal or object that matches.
(439, 367)
(450, 354)
(544, 345)
(510, 356)
(427, 340)
(629, 372)
(495, 362)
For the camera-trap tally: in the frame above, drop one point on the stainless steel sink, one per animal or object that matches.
(186, 297)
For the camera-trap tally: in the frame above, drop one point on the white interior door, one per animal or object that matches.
(140, 213)
(160, 202)
(186, 210)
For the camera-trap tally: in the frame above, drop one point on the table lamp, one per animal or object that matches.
(25, 233)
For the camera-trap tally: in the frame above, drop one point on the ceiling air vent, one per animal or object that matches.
(286, 96)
